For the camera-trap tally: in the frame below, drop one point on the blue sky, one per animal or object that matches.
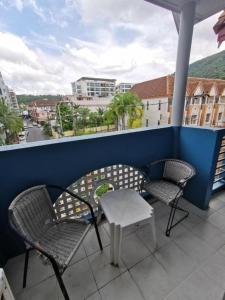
(46, 44)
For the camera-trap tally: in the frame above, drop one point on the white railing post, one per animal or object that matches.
(183, 55)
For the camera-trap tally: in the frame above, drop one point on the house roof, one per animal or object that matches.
(220, 23)
(43, 103)
(151, 89)
(204, 8)
(163, 87)
(94, 78)
(220, 88)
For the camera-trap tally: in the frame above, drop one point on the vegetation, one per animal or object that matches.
(212, 66)
(124, 109)
(126, 105)
(47, 129)
(64, 116)
(12, 123)
(26, 99)
(102, 189)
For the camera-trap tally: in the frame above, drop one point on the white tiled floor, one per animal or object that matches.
(190, 265)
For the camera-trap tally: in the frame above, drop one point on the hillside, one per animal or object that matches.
(26, 99)
(212, 66)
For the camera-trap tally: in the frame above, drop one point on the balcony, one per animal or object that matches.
(189, 264)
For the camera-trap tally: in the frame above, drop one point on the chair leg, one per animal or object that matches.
(174, 207)
(25, 267)
(98, 235)
(59, 279)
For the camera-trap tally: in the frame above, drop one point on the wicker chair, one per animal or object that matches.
(169, 188)
(32, 216)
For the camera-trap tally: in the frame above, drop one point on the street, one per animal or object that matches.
(35, 134)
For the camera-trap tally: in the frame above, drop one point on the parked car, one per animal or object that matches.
(35, 123)
(30, 126)
(39, 125)
(22, 136)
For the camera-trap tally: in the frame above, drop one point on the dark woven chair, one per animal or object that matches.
(32, 216)
(169, 188)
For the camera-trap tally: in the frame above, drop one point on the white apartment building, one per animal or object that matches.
(94, 87)
(13, 100)
(124, 87)
(4, 91)
(8, 96)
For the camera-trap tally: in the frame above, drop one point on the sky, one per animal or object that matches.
(47, 44)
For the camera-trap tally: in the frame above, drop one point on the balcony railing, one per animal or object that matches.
(63, 162)
(219, 178)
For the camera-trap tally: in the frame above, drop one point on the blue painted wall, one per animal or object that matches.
(64, 161)
(200, 147)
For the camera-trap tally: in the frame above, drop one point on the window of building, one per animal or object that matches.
(220, 116)
(146, 122)
(217, 98)
(196, 100)
(194, 119)
(207, 118)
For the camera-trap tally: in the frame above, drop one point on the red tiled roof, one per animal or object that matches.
(220, 23)
(43, 103)
(163, 87)
(191, 87)
(220, 88)
(154, 88)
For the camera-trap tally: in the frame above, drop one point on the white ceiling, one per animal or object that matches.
(204, 8)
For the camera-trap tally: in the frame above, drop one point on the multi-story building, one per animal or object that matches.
(4, 91)
(94, 87)
(7, 95)
(205, 101)
(13, 100)
(43, 110)
(124, 87)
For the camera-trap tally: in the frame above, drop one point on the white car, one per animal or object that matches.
(35, 123)
(39, 125)
(30, 126)
(22, 136)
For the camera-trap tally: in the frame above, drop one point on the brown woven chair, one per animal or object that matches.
(169, 188)
(32, 216)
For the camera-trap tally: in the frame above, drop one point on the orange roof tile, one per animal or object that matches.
(220, 88)
(163, 86)
(154, 88)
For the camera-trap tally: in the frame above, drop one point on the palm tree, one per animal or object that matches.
(124, 105)
(11, 122)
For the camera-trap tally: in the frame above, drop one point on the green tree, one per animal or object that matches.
(83, 116)
(109, 118)
(125, 105)
(11, 121)
(64, 116)
(47, 129)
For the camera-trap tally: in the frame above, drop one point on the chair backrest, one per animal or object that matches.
(91, 186)
(31, 213)
(177, 170)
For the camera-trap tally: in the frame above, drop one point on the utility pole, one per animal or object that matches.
(60, 119)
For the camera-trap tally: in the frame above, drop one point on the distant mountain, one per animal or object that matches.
(26, 99)
(212, 66)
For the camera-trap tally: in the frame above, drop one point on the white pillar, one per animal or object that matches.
(183, 55)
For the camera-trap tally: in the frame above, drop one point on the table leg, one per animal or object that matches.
(152, 220)
(112, 233)
(117, 244)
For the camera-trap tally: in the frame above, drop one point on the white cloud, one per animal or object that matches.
(150, 53)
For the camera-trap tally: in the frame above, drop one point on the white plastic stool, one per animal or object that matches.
(122, 209)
